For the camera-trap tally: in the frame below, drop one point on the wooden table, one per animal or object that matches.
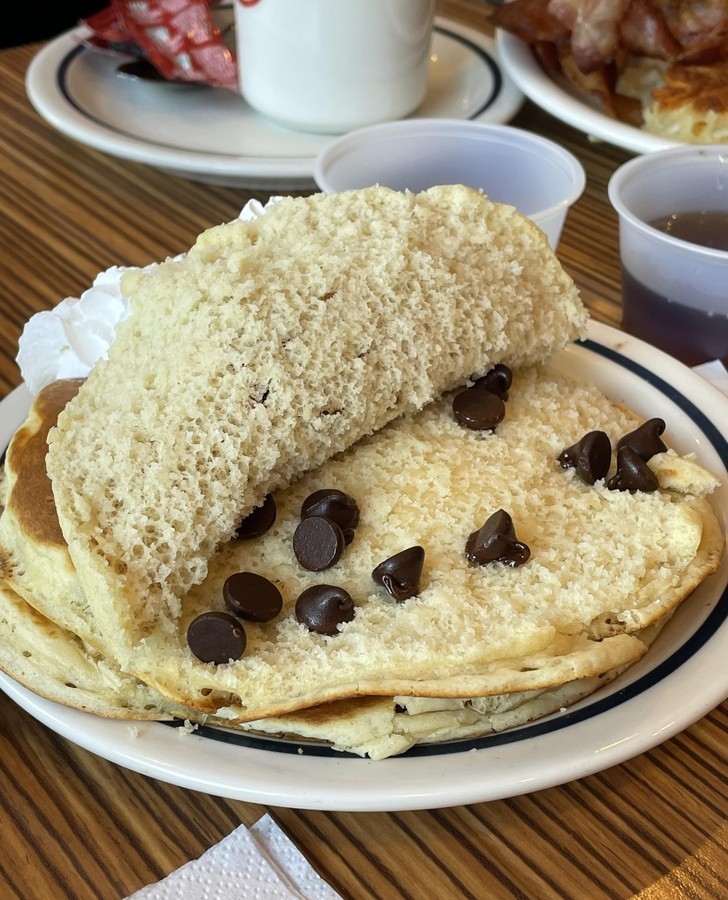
(74, 825)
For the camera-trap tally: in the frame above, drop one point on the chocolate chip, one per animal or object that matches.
(252, 597)
(478, 409)
(335, 505)
(216, 637)
(498, 381)
(318, 543)
(496, 540)
(633, 473)
(322, 607)
(259, 521)
(590, 456)
(400, 574)
(645, 440)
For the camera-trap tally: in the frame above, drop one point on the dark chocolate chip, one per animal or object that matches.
(498, 381)
(645, 440)
(216, 637)
(318, 543)
(252, 597)
(259, 521)
(590, 456)
(496, 540)
(633, 473)
(400, 574)
(322, 607)
(335, 505)
(478, 409)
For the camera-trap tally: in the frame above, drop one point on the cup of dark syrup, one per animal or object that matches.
(673, 241)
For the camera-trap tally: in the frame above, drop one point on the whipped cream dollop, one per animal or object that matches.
(68, 340)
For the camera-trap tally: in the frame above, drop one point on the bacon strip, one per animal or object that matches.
(593, 40)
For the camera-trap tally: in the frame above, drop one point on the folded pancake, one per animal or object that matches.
(269, 347)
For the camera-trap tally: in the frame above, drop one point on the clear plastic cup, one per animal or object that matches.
(537, 176)
(674, 291)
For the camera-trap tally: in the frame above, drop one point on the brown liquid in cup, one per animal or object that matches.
(691, 335)
(709, 228)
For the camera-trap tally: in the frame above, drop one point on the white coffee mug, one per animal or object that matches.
(333, 65)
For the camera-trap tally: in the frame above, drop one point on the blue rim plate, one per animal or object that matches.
(212, 135)
(681, 679)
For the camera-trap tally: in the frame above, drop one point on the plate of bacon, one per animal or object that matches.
(644, 76)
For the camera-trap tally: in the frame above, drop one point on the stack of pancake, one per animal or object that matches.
(498, 566)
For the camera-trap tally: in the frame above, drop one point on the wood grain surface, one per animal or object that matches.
(73, 825)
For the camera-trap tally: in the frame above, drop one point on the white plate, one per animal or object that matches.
(562, 101)
(211, 134)
(680, 680)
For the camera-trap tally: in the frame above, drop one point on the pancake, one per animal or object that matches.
(57, 665)
(33, 552)
(604, 565)
(546, 411)
(326, 347)
(267, 348)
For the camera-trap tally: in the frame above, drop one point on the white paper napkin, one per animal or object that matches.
(260, 863)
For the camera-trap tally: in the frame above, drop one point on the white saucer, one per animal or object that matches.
(212, 135)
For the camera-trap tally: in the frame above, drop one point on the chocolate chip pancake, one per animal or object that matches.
(57, 664)
(331, 459)
(270, 346)
(495, 629)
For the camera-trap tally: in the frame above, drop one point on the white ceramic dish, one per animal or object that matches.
(559, 99)
(212, 135)
(680, 680)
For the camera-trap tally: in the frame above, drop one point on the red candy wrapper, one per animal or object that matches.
(178, 37)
